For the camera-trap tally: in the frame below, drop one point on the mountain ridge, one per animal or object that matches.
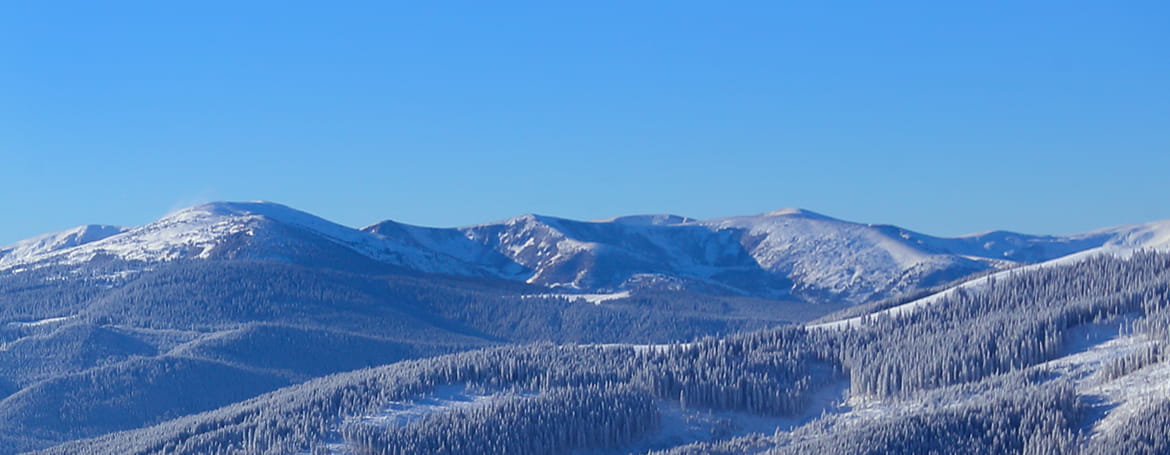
(785, 253)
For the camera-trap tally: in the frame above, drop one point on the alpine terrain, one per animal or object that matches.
(252, 327)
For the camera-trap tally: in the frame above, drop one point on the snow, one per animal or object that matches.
(596, 299)
(42, 322)
(647, 220)
(55, 241)
(442, 399)
(198, 232)
(825, 255)
(1121, 241)
(681, 426)
(1120, 398)
(1130, 394)
(1090, 348)
(191, 232)
(31, 324)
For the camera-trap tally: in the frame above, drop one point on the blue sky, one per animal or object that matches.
(944, 117)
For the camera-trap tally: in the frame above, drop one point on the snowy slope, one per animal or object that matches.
(828, 258)
(1118, 241)
(236, 230)
(789, 252)
(606, 256)
(55, 241)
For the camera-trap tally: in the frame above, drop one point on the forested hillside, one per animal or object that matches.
(1062, 359)
(92, 350)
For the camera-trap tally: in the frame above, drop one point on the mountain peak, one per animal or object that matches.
(662, 219)
(56, 241)
(798, 212)
(264, 209)
(525, 219)
(240, 208)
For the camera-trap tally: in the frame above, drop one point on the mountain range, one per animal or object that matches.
(228, 306)
(790, 254)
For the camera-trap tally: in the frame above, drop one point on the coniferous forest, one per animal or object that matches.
(1029, 362)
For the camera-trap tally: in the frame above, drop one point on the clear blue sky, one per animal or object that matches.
(944, 117)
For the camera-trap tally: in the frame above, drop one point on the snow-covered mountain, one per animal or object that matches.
(224, 230)
(45, 244)
(1121, 241)
(790, 253)
(106, 329)
(786, 252)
